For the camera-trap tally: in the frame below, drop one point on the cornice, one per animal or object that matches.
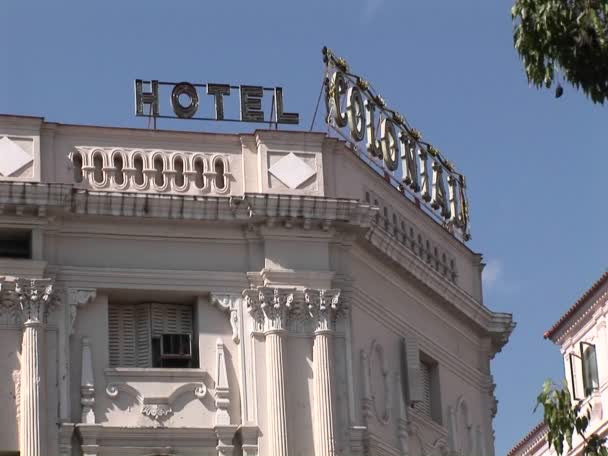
(150, 435)
(577, 320)
(496, 324)
(22, 268)
(149, 279)
(250, 208)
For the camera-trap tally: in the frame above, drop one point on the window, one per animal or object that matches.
(420, 380)
(15, 243)
(430, 406)
(424, 406)
(150, 335)
(590, 376)
(588, 369)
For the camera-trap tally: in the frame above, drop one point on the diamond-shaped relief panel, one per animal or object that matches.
(12, 157)
(292, 171)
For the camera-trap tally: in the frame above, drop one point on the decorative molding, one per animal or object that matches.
(66, 430)
(270, 307)
(464, 427)
(157, 412)
(78, 297)
(229, 303)
(324, 306)
(384, 415)
(27, 300)
(199, 390)
(366, 391)
(131, 374)
(87, 384)
(157, 408)
(252, 208)
(359, 440)
(291, 169)
(102, 439)
(452, 436)
(249, 439)
(114, 389)
(222, 389)
(16, 377)
(16, 162)
(225, 438)
(150, 170)
(479, 443)
(402, 418)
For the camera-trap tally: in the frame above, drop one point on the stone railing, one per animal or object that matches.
(413, 238)
(149, 170)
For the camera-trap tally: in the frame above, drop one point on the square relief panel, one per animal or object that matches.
(17, 158)
(291, 171)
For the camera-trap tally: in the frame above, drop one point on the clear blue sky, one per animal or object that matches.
(535, 165)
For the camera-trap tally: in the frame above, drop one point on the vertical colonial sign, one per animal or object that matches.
(392, 147)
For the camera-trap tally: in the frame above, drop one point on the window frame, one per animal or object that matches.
(587, 390)
(147, 349)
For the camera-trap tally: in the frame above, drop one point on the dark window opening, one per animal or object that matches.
(138, 164)
(172, 350)
(199, 168)
(15, 243)
(179, 172)
(118, 166)
(220, 178)
(77, 160)
(159, 177)
(98, 171)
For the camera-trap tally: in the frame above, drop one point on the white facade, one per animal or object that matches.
(262, 294)
(582, 338)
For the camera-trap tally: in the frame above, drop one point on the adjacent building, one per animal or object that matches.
(180, 293)
(581, 336)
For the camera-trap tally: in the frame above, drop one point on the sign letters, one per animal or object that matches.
(185, 100)
(392, 147)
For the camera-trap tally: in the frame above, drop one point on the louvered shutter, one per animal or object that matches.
(424, 407)
(410, 356)
(171, 319)
(122, 335)
(144, 338)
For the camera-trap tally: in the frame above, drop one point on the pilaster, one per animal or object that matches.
(87, 384)
(74, 299)
(271, 308)
(33, 297)
(323, 306)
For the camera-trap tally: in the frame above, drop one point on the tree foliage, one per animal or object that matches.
(567, 38)
(564, 419)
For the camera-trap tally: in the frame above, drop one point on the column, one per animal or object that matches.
(34, 298)
(323, 306)
(270, 308)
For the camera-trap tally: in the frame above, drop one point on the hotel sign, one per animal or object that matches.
(392, 147)
(186, 99)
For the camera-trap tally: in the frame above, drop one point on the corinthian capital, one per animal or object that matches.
(324, 306)
(34, 297)
(270, 307)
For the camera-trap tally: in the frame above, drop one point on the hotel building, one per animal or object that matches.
(269, 293)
